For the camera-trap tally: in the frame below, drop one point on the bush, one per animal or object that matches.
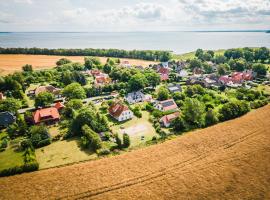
(126, 140)
(137, 112)
(4, 144)
(45, 142)
(26, 144)
(234, 109)
(103, 151)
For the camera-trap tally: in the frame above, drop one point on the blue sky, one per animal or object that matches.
(133, 15)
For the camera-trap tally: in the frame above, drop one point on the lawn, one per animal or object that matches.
(191, 55)
(10, 157)
(136, 128)
(61, 153)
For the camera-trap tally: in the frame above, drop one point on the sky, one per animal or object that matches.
(133, 15)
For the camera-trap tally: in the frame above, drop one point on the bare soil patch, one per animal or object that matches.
(226, 161)
(10, 63)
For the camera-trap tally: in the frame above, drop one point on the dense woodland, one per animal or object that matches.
(135, 54)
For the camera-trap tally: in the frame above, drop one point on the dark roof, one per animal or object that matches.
(6, 118)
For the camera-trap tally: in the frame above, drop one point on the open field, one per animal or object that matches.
(226, 161)
(61, 153)
(10, 63)
(136, 128)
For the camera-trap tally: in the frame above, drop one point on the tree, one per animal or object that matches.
(248, 54)
(163, 93)
(211, 117)
(110, 62)
(222, 69)
(91, 62)
(10, 105)
(233, 109)
(193, 112)
(79, 77)
(118, 141)
(27, 68)
(90, 138)
(178, 124)
(126, 140)
(199, 53)
(153, 78)
(44, 99)
(262, 54)
(165, 57)
(19, 128)
(74, 91)
(260, 69)
(63, 61)
(195, 63)
(39, 136)
(219, 59)
(137, 82)
(107, 68)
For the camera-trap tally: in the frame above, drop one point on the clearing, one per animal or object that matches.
(10, 63)
(227, 161)
(136, 128)
(62, 153)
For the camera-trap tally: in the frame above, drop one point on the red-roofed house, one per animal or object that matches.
(46, 115)
(59, 105)
(167, 119)
(120, 112)
(95, 72)
(164, 73)
(167, 105)
(102, 79)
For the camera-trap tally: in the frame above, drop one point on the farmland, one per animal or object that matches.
(226, 161)
(12, 63)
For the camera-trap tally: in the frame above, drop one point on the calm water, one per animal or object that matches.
(179, 42)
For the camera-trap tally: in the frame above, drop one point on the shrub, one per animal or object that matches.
(103, 151)
(234, 109)
(126, 140)
(4, 143)
(137, 112)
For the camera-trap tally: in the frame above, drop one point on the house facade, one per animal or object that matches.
(168, 119)
(120, 112)
(135, 97)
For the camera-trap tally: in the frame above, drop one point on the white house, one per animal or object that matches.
(135, 97)
(183, 73)
(120, 112)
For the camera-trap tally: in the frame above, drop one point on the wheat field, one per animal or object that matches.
(227, 161)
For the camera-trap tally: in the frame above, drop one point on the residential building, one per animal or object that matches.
(183, 73)
(174, 88)
(167, 105)
(6, 119)
(59, 106)
(46, 115)
(49, 88)
(168, 119)
(125, 63)
(135, 97)
(102, 79)
(120, 112)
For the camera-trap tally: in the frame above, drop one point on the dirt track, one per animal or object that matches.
(227, 161)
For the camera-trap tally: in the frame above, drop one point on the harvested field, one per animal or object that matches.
(10, 63)
(226, 161)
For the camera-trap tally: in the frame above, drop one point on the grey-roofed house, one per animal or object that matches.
(6, 118)
(174, 88)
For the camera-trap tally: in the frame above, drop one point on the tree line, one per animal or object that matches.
(135, 54)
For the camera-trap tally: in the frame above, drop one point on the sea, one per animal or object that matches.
(177, 42)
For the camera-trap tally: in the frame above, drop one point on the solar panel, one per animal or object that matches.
(167, 103)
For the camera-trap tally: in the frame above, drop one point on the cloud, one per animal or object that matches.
(24, 1)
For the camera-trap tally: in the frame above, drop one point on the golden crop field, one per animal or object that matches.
(226, 161)
(10, 63)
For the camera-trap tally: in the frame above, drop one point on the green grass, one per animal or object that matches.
(191, 55)
(10, 158)
(61, 153)
(140, 126)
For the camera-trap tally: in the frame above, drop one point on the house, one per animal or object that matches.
(46, 115)
(164, 77)
(135, 97)
(59, 106)
(198, 71)
(49, 88)
(2, 97)
(183, 73)
(167, 105)
(165, 64)
(164, 73)
(6, 119)
(174, 88)
(120, 112)
(102, 79)
(126, 63)
(167, 119)
(180, 65)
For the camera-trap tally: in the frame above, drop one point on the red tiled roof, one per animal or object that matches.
(46, 114)
(116, 109)
(163, 70)
(169, 118)
(164, 77)
(59, 105)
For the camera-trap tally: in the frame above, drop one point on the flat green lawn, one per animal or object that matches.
(10, 158)
(61, 153)
(136, 128)
(191, 55)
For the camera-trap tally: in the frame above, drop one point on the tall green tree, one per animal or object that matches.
(44, 99)
(74, 91)
(193, 112)
(163, 93)
(137, 82)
